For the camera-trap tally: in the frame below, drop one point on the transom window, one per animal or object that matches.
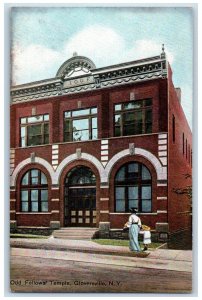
(34, 130)
(34, 192)
(133, 188)
(80, 125)
(133, 117)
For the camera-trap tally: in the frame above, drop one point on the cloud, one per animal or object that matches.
(34, 62)
(101, 44)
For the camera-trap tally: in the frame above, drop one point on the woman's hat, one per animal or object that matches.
(133, 210)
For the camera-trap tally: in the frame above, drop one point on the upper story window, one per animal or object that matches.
(80, 125)
(34, 130)
(133, 117)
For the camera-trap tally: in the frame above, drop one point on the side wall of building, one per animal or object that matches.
(179, 162)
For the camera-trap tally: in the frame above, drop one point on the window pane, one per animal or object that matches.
(117, 107)
(133, 168)
(117, 120)
(46, 128)
(34, 130)
(46, 117)
(120, 193)
(133, 203)
(133, 192)
(67, 125)
(43, 179)
(24, 206)
(44, 195)
(23, 120)
(67, 114)
(146, 205)
(22, 132)
(129, 117)
(80, 124)
(34, 206)
(82, 135)
(23, 142)
(94, 110)
(94, 134)
(44, 206)
(94, 122)
(129, 129)
(129, 105)
(34, 195)
(34, 173)
(35, 119)
(46, 138)
(24, 195)
(81, 112)
(67, 137)
(25, 179)
(148, 102)
(117, 131)
(120, 176)
(145, 173)
(34, 140)
(120, 205)
(146, 192)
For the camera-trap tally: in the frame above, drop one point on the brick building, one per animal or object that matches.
(92, 142)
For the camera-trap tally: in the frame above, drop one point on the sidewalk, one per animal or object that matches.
(178, 260)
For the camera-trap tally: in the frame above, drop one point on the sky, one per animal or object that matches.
(42, 38)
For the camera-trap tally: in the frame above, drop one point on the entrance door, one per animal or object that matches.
(80, 198)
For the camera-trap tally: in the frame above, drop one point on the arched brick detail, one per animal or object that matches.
(160, 170)
(28, 161)
(73, 157)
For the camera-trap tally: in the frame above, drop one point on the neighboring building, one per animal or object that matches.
(90, 143)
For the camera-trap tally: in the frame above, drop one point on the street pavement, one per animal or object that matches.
(178, 260)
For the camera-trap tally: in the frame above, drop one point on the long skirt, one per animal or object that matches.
(133, 235)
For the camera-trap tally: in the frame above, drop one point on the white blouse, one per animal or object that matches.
(134, 219)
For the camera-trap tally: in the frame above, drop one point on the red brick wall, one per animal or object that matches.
(178, 165)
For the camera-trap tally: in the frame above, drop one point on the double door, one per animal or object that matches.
(80, 206)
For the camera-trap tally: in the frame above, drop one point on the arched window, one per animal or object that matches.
(80, 176)
(133, 186)
(34, 192)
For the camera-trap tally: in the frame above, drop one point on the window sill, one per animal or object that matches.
(33, 213)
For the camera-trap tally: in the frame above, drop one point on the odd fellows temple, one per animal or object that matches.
(90, 143)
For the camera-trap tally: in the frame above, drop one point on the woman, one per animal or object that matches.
(134, 224)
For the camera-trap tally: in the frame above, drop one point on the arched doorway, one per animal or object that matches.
(80, 197)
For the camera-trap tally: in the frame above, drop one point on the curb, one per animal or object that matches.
(75, 249)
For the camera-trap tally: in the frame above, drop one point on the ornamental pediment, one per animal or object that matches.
(75, 66)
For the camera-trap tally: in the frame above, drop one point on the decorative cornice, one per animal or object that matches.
(116, 75)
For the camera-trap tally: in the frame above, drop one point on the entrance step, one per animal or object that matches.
(75, 233)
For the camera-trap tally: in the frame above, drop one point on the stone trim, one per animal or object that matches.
(162, 198)
(104, 211)
(162, 211)
(104, 199)
(55, 211)
(57, 199)
(160, 170)
(12, 200)
(27, 161)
